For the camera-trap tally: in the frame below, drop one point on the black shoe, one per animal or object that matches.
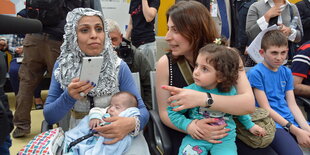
(38, 106)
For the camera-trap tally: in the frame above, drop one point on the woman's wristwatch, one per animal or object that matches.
(209, 101)
(287, 126)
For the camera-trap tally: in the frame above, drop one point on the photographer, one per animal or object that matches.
(136, 61)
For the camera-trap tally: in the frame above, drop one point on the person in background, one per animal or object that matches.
(141, 29)
(16, 46)
(40, 53)
(136, 61)
(272, 84)
(86, 35)
(304, 11)
(301, 73)
(4, 48)
(223, 13)
(265, 13)
(3, 44)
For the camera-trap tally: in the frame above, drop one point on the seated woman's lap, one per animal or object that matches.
(176, 140)
(138, 146)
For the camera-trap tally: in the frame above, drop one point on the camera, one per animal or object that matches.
(125, 52)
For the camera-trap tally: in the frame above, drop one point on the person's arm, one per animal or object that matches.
(262, 100)
(127, 83)
(58, 102)
(178, 118)
(148, 12)
(210, 133)
(301, 135)
(161, 95)
(246, 121)
(252, 27)
(299, 117)
(129, 29)
(244, 100)
(97, 113)
(301, 89)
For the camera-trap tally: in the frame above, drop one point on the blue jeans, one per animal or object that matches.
(285, 144)
(4, 148)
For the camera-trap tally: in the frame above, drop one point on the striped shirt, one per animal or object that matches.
(301, 63)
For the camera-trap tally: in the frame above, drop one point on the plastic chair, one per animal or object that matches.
(158, 138)
(305, 102)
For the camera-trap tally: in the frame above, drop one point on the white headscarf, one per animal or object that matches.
(70, 59)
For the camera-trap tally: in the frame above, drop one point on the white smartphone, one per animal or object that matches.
(91, 67)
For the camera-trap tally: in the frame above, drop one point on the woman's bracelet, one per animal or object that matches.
(137, 127)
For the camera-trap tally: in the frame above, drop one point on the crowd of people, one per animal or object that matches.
(202, 70)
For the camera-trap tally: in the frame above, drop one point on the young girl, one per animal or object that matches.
(216, 71)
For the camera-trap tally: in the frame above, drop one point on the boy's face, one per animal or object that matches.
(118, 105)
(204, 74)
(274, 56)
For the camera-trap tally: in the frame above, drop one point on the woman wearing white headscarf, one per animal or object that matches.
(86, 35)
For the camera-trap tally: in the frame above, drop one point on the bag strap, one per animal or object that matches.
(186, 71)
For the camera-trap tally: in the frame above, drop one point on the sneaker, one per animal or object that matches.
(38, 106)
(20, 132)
(38, 103)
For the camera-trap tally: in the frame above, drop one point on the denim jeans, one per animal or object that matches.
(4, 148)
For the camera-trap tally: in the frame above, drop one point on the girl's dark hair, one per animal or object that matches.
(194, 22)
(226, 62)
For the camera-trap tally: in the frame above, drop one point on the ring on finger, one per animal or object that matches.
(82, 94)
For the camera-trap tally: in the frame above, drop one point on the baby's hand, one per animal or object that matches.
(194, 130)
(258, 131)
(93, 123)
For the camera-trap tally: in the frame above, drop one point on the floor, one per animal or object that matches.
(36, 119)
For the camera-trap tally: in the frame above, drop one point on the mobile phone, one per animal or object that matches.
(91, 67)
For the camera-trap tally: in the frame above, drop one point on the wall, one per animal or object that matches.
(162, 21)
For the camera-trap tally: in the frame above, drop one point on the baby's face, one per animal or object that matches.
(117, 106)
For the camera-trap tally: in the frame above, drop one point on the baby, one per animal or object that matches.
(122, 104)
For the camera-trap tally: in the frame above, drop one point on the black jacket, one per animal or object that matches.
(304, 11)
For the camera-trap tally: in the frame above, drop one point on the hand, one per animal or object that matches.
(258, 131)
(211, 133)
(303, 137)
(76, 87)
(272, 12)
(194, 130)
(286, 30)
(118, 129)
(181, 96)
(93, 123)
